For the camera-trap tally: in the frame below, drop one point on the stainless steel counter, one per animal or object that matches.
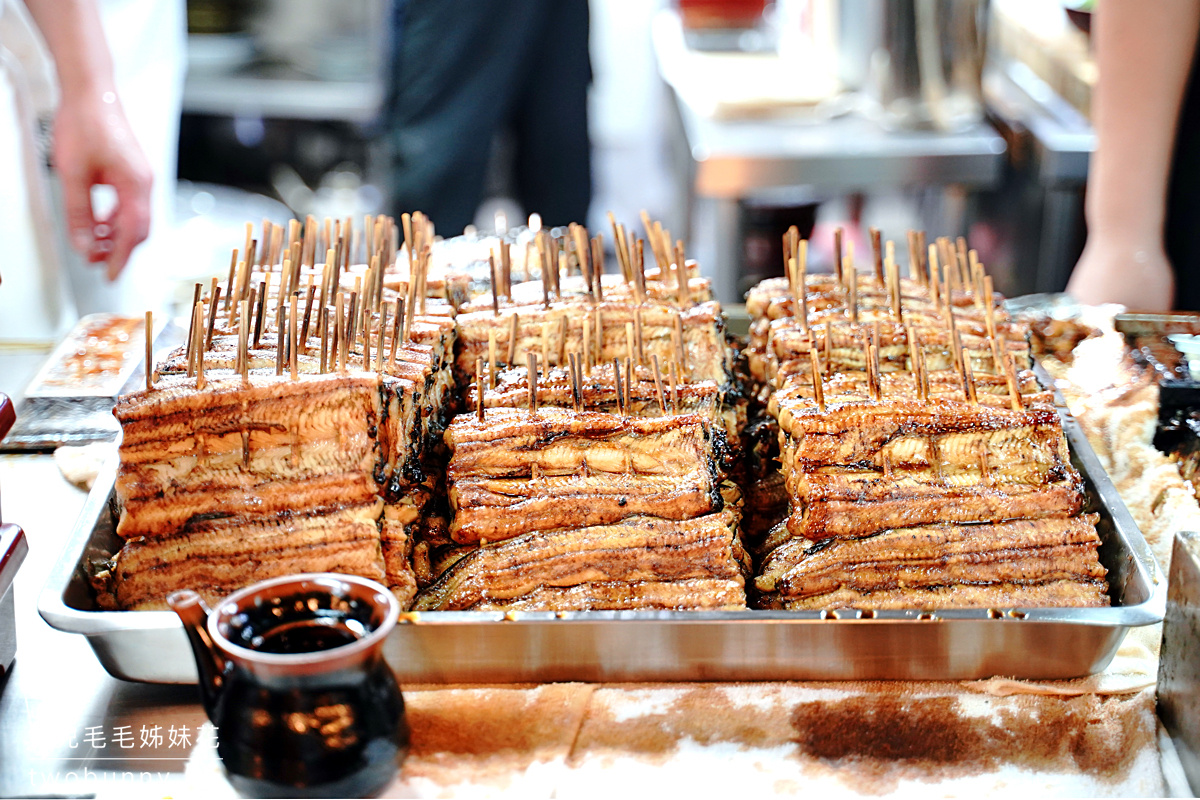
(66, 727)
(732, 160)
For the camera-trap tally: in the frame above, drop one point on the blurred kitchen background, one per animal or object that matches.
(727, 119)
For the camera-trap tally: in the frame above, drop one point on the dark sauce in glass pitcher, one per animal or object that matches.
(304, 703)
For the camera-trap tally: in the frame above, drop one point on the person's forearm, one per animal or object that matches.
(1144, 53)
(74, 35)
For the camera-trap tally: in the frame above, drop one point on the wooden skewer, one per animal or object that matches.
(546, 344)
(874, 384)
(658, 384)
(934, 277)
(628, 385)
(586, 353)
(260, 306)
(638, 336)
(923, 375)
(630, 344)
(599, 334)
(955, 343)
(506, 268)
(495, 287)
(243, 356)
(1010, 377)
(985, 467)
(817, 382)
(528, 257)
(198, 344)
(229, 283)
(598, 267)
(837, 254)
(397, 326)
(479, 388)
(828, 347)
(492, 358)
(914, 362)
(673, 376)
(576, 395)
(562, 340)
(352, 322)
(617, 384)
(640, 273)
(214, 300)
(964, 273)
(342, 348)
(293, 336)
(532, 373)
(150, 349)
(513, 325)
(682, 279)
(893, 274)
(989, 307)
(191, 340)
(915, 270)
(851, 278)
(280, 342)
(323, 333)
(799, 293)
(335, 340)
(308, 305)
(923, 255)
(968, 377)
(379, 341)
(682, 351)
(366, 341)
(877, 252)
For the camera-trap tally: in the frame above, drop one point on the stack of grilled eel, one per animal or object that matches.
(557, 509)
(923, 468)
(285, 448)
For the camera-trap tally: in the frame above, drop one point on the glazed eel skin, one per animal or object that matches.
(1015, 551)
(520, 471)
(618, 565)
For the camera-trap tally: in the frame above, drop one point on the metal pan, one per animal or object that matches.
(494, 647)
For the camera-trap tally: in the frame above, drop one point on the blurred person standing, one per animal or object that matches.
(1143, 190)
(97, 140)
(463, 72)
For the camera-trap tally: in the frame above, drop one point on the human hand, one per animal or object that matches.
(94, 145)
(1137, 276)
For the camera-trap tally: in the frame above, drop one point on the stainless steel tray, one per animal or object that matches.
(469, 646)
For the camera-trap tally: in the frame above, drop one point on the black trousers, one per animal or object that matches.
(466, 70)
(1182, 237)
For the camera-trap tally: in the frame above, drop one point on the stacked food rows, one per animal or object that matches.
(301, 429)
(297, 431)
(594, 476)
(923, 465)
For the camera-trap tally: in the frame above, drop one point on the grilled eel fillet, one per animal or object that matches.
(1051, 594)
(772, 298)
(693, 594)
(598, 393)
(237, 448)
(831, 504)
(704, 351)
(636, 550)
(915, 433)
(796, 388)
(223, 555)
(1013, 552)
(789, 342)
(562, 442)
